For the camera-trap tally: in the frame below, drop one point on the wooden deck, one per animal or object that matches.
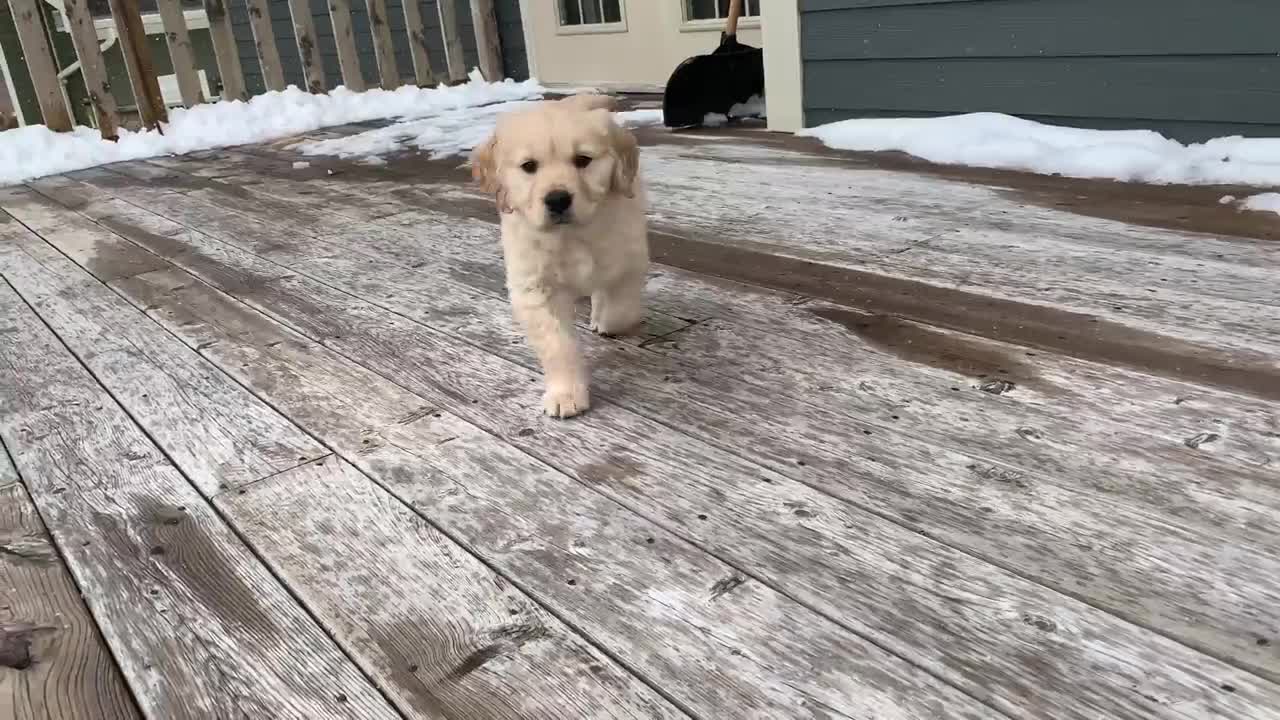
(897, 442)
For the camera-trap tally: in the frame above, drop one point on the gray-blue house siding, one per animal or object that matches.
(1191, 68)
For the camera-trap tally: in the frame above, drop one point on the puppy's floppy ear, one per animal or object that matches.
(484, 170)
(626, 152)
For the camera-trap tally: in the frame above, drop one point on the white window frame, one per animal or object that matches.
(593, 28)
(745, 22)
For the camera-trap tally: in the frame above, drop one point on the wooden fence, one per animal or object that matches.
(127, 18)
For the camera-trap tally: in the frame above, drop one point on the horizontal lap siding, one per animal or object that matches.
(1186, 67)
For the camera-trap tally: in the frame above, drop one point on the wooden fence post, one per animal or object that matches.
(264, 38)
(137, 58)
(28, 18)
(452, 40)
(304, 29)
(488, 42)
(422, 74)
(345, 40)
(383, 50)
(179, 42)
(84, 36)
(224, 49)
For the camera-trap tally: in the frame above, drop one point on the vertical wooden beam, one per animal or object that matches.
(422, 74)
(304, 29)
(383, 50)
(783, 67)
(84, 36)
(452, 40)
(224, 50)
(137, 58)
(488, 43)
(180, 55)
(345, 40)
(29, 20)
(264, 38)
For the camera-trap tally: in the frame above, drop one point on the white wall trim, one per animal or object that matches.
(783, 71)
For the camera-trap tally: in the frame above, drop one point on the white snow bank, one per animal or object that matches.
(446, 134)
(639, 118)
(34, 151)
(993, 140)
(1266, 202)
(753, 107)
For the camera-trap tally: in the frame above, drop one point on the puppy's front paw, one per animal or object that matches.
(564, 400)
(614, 325)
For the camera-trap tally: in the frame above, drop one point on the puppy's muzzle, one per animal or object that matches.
(559, 205)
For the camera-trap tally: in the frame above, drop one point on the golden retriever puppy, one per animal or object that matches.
(566, 179)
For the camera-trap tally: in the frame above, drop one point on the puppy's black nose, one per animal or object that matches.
(558, 201)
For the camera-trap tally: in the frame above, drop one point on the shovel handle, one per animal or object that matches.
(731, 22)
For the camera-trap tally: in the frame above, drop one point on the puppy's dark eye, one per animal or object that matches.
(529, 166)
(581, 161)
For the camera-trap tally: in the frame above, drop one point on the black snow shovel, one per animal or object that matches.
(733, 73)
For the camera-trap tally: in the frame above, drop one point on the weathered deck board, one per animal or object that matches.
(782, 458)
(53, 663)
(310, 218)
(1168, 463)
(1152, 399)
(917, 485)
(442, 633)
(1045, 329)
(197, 624)
(101, 309)
(905, 220)
(772, 637)
(217, 432)
(1179, 332)
(1121, 406)
(343, 323)
(1118, 401)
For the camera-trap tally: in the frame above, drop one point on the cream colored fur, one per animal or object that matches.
(599, 249)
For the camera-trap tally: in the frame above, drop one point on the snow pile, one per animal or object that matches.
(448, 133)
(753, 107)
(639, 118)
(1266, 202)
(34, 151)
(993, 140)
